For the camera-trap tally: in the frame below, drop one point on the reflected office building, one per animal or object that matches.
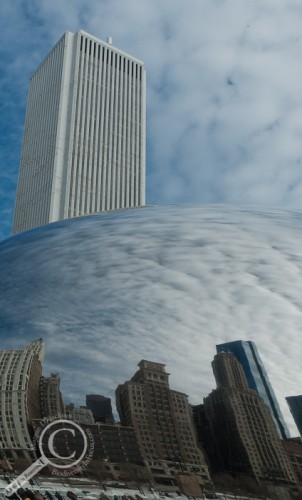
(247, 354)
(242, 428)
(295, 406)
(100, 407)
(51, 401)
(161, 418)
(20, 373)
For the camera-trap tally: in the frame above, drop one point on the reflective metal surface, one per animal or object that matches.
(160, 283)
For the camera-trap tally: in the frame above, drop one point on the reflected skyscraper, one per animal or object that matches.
(242, 427)
(20, 372)
(84, 140)
(51, 401)
(100, 407)
(247, 354)
(163, 424)
(295, 406)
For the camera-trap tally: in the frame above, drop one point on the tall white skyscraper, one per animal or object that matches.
(85, 133)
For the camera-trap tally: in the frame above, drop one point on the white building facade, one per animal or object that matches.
(20, 372)
(84, 142)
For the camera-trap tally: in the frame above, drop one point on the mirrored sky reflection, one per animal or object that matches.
(164, 284)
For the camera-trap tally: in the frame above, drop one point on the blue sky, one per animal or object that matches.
(224, 82)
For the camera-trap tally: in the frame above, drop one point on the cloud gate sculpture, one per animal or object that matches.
(160, 283)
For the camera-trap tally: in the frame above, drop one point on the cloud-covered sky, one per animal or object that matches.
(224, 80)
(164, 284)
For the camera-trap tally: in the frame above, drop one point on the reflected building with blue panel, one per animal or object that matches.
(246, 353)
(295, 406)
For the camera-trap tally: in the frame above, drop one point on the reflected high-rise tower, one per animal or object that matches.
(162, 420)
(241, 426)
(100, 407)
(247, 354)
(84, 140)
(295, 406)
(51, 401)
(20, 372)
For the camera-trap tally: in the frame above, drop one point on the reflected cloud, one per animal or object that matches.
(165, 284)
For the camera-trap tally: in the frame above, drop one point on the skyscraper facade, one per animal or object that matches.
(163, 424)
(295, 406)
(247, 354)
(20, 372)
(242, 427)
(84, 140)
(100, 407)
(81, 415)
(51, 401)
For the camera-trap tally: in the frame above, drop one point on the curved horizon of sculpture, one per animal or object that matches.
(160, 283)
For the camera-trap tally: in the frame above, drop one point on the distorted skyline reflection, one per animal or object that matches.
(160, 283)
